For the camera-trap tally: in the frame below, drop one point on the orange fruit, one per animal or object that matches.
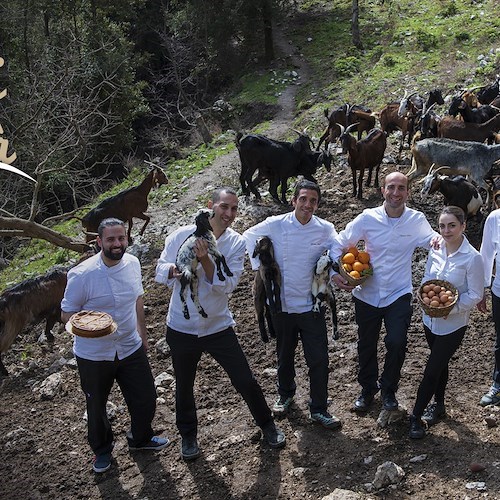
(347, 267)
(348, 258)
(363, 257)
(366, 266)
(353, 250)
(355, 275)
(358, 266)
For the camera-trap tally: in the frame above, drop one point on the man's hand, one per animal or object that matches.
(481, 306)
(342, 283)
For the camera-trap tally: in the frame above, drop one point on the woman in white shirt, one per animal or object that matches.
(458, 262)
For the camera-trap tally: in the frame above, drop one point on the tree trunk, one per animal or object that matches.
(21, 228)
(267, 19)
(356, 40)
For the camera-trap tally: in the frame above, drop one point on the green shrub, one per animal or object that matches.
(388, 61)
(426, 41)
(463, 36)
(449, 10)
(346, 66)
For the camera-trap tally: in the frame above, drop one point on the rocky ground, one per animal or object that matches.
(43, 447)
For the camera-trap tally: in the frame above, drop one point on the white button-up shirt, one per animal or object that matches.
(114, 290)
(490, 247)
(213, 296)
(390, 243)
(297, 248)
(464, 269)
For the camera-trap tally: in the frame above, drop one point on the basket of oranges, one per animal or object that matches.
(355, 266)
(437, 298)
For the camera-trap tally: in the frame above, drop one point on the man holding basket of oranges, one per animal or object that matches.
(391, 233)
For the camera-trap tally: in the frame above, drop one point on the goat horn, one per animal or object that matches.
(296, 131)
(342, 129)
(350, 127)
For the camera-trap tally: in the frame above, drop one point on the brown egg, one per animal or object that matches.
(476, 467)
(437, 288)
(449, 293)
(443, 298)
(424, 294)
(426, 288)
(426, 300)
(434, 303)
(431, 294)
(448, 303)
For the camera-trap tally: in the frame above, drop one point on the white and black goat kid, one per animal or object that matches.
(322, 291)
(267, 285)
(187, 262)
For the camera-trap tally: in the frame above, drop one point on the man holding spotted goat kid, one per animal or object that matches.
(209, 329)
(299, 239)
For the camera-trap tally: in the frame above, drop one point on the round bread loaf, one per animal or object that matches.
(91, 324)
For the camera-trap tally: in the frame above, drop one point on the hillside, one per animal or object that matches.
(43, 445)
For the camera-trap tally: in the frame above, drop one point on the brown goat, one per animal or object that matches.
(125, 205)
(390, 121)
(365, 121)
(364, 154)
(29, 302)
(450, 128)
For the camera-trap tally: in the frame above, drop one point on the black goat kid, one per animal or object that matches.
(267, 285)
(187, 262)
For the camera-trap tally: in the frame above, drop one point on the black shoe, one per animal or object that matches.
(189, 448)
(274, 436)
(433, 413)
(363, 403)
(389, 401)
(417, 430)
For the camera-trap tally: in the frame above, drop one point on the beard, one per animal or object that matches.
(113, 255)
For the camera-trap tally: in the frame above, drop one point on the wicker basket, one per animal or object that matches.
(352, 281)
(437, 312)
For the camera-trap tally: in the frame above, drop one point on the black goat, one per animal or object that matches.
(187, 262)
(489, 92)
(267, 285)
(473, 115)
(456, 191)
(29, 302)
(276, 161)
(322, 291)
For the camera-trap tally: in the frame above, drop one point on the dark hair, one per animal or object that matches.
(109, 222)
(225, 189)
(455, 211)
(305, 184)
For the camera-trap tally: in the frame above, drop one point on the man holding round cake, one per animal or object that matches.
(110, 282)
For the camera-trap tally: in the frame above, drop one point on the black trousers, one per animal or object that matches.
(311, 328)
(133, 375)
(436, 371)
(224, 347)
(495, 302)
(396, 317)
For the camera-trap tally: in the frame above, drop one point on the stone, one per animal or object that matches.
(50, 386)
(388, 473)
(164, 379)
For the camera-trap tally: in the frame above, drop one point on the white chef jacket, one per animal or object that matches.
(390, 243)
(213, 296)
(114, 290)
(489, 251)
(464, 269)
(297, 248)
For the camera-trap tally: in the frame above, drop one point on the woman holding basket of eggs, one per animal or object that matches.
(445, 316)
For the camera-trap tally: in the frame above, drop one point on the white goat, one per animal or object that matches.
(187, 262)
(322, 291)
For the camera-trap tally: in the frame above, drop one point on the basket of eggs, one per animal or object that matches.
(437, 298)
(355, 266)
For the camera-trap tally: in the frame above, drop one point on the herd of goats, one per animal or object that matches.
(466, 148)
